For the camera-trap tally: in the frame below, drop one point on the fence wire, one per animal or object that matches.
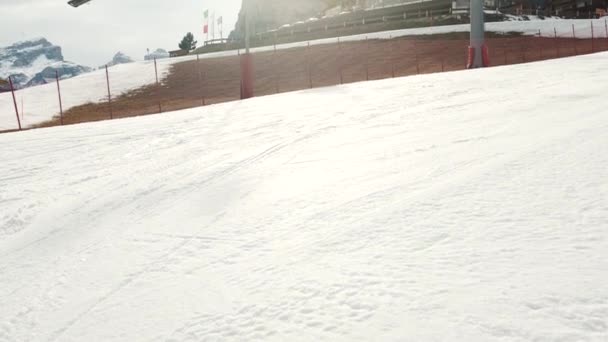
(169, 85)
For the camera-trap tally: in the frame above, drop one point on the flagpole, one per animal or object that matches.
(247, 27)
(220, 22)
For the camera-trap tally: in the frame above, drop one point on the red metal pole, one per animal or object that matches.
(247, 76)
(504, 49)
(59, 93)
(109, 93)
(10, 81)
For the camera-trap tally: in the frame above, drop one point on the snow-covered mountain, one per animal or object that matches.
(119, 58)
(34, 62)
(157, 54)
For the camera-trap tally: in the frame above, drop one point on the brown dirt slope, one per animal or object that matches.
(194, 83)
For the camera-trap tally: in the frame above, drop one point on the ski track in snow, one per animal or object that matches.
(467, 206)
(41, 103)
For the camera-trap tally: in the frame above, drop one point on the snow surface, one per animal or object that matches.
(461, 206)
(41, 103)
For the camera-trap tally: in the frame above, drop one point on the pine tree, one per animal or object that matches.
(188, 43)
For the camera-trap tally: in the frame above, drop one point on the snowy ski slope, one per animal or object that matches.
(41, 103)
(463, 206)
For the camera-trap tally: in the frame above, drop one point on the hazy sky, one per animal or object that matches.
(93, 33)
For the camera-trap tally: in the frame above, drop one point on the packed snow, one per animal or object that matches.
(466, 206)
(41, 103)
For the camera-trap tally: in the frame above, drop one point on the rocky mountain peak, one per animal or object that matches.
(119, 58)
(34, 62)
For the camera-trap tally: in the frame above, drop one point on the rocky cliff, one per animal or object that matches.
(268, 14)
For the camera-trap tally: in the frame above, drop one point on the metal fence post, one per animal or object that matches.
(200, 78)
(606, 26)
(392, 48)
(308, 65)
(340, 59)
(59, 93)
(592, 36)
(366, 59)
(540, 49)
(109, 93)
(443, 59)
(277, 75)
(416, 56)
(160, 108)
(556, 42)
(10, 81)
(574, 37)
